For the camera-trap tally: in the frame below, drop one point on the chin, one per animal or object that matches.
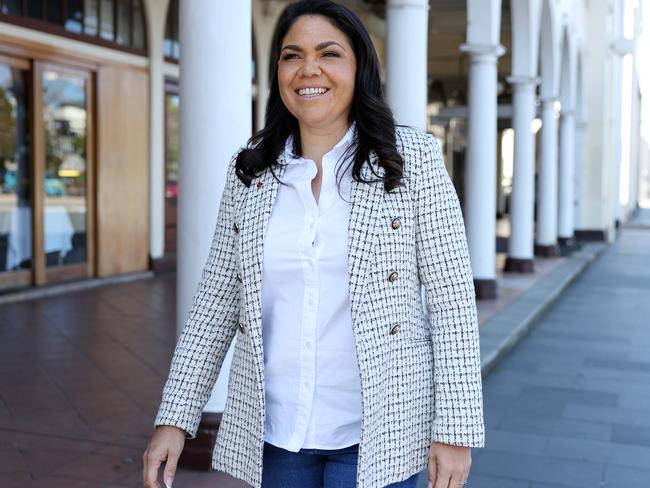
(313, 121)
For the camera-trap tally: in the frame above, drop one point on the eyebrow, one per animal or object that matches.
(320, 46)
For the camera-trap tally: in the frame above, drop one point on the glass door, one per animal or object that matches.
(16, 250)
(172, 103)
(63, 163)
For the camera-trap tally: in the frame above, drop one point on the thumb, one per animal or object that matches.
(170, 468)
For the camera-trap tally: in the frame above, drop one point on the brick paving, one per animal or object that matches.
(569, 406)
(80, 382)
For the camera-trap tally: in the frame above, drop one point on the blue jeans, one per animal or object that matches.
(315, 468)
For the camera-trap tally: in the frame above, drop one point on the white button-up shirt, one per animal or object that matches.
(312, 385)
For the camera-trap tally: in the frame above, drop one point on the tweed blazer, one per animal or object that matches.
(419, 366)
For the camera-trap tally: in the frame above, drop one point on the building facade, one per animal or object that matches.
(104, 172)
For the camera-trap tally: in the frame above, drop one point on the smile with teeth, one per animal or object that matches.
(311, 92)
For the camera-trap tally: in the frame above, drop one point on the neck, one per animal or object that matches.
(318, 141)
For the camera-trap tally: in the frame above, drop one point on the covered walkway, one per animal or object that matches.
(81, 376)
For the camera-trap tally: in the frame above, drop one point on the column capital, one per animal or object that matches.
(486, 52)
(523, 81)
(549, 98)
(423, 4)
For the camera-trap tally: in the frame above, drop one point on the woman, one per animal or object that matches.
(331, 220)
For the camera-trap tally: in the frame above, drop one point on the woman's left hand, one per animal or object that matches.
(448, 465)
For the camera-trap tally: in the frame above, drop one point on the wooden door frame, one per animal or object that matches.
(42, 274)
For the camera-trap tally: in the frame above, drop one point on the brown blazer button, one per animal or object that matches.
(394, 329)
(395, 223)
(392, 276)
(235, 227)
(242, 328)
(239, 277)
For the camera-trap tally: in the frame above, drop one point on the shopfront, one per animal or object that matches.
(73, 169)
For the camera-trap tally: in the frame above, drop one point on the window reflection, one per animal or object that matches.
(65, 203)
(15, 196)
(171, 169)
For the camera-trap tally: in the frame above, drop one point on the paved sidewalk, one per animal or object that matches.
(81, 376)
(570, 405)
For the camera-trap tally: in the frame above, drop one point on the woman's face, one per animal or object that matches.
(316, 72)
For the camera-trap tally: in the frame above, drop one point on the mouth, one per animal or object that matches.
(311, 92)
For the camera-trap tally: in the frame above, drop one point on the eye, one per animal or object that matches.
(331, 54)
(289, 56)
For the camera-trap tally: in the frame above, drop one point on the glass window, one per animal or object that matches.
(90, 17)
(35, 9)
(138, 25)
(14, 7)
(15, 172)
(54, 13)
(118, 21)
(171, 46)
(65, 197)
(106, 19)
(74, 22)
(171, 170)
(123, 23)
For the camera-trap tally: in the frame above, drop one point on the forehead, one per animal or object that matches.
(309, 30)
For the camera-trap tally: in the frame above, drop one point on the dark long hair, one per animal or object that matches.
(375, 125)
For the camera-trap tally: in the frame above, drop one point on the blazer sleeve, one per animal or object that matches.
(445, 271)
(209, 328)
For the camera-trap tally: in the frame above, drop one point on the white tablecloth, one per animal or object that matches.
(58, 233)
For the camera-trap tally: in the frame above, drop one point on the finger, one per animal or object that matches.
(150, 469)
(442, 480)
(170, 468)
(433, 471)
(457, 481)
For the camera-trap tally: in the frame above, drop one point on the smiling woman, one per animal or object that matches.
(338, 378)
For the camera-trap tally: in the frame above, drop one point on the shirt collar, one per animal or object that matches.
(336, 151)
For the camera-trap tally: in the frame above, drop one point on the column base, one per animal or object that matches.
(197, 452)
(547, 250)
(567, 245)
(518, 265)
(485, 289)
(591, 235)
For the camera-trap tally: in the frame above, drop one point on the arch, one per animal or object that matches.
(549, 46)
(568, 67)
(525, 19)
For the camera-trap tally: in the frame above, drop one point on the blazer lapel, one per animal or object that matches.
(365, 210)
(363, 224)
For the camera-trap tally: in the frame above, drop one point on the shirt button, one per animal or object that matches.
(308, 344)
(395, 223)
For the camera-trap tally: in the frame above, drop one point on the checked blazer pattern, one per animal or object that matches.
(419, 366)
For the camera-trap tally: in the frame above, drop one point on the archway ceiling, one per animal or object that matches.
(447, 31)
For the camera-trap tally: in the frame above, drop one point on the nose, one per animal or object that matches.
(310, 66)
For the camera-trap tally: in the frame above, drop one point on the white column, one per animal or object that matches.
(566, 175)
(215, 120)
(547, 196)
(580, 129)
(406, 60)
(522, 203)
(480, 169)
(155, 30)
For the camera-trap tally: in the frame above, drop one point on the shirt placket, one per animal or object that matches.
(308, 248)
